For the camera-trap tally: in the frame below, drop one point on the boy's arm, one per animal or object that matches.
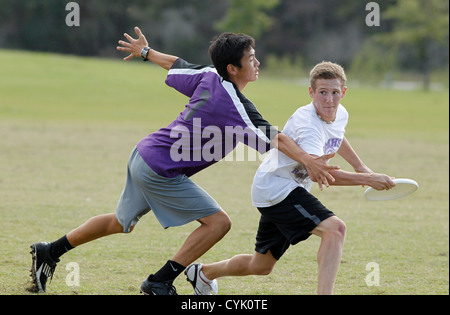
(317, 167)
(347, 152)
(363, 176)
(135, 46)
(374, 180)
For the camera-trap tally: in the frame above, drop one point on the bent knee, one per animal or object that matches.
(262, 265)
(262, 270)
(339, 229)
(130, 230)
(334, 227)
(219, 222)
(119, 228)
(225, 223)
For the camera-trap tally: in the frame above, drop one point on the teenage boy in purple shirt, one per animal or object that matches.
(217, 117)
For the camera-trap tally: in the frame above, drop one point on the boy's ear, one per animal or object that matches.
(232, 70)
(311, 92)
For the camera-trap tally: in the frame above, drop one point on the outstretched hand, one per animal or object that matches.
(133, 46)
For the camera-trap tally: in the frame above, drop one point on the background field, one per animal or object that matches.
(68, 125)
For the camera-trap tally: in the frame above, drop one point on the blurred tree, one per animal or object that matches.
(248, 16)
(416, 31)
(182, 28)
(419, 24)
(40, 25)
(317, 30)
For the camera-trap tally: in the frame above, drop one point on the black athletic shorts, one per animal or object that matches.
(289, 222)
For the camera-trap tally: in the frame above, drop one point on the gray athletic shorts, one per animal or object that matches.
(174, 201)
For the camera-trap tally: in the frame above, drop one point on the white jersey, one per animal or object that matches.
(278, 175)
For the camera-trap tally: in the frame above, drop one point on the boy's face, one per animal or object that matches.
(249, 71)
(327, 97)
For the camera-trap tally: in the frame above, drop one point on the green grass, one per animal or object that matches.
(67, 127)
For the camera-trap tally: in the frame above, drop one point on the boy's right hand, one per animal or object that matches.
(318, 170)
(134, 46)
(381, 181)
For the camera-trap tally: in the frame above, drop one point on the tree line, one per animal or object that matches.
(410, 35)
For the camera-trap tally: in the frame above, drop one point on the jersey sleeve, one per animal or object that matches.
(185, 77)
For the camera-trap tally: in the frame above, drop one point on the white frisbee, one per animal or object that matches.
(404, 187)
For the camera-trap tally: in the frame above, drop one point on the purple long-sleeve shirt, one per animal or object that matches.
(216, 119)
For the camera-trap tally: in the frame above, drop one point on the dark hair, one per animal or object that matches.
(229, 48)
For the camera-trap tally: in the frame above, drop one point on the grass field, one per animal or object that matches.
(68, 125)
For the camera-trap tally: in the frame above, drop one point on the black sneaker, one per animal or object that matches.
(158, 288)
(43, 266)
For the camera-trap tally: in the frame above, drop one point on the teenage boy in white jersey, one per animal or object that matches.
(280, 191)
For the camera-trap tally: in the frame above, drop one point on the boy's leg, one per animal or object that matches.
(45, 256)
(211, 230)
(94, 228)
(203, 277)
(241, 265)
(332, 231)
